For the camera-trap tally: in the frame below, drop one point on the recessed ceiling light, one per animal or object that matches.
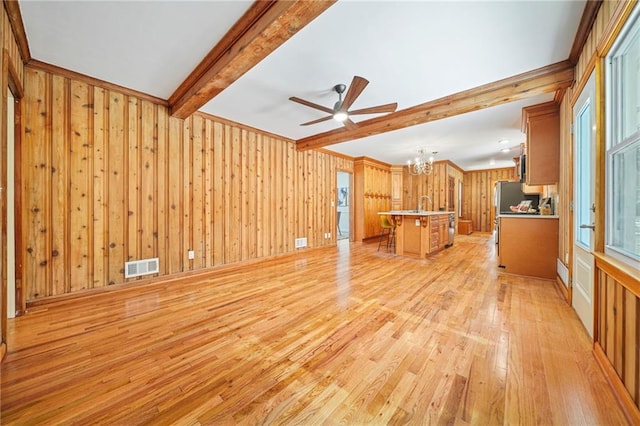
(492, 162)
(505, 150)
(503, 141)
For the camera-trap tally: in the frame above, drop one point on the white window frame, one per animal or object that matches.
(614, 133)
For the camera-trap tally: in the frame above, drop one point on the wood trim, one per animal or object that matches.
(589, 16)
(601, 157)
(135, 285)
(455, 166)
(335, 154)
(542, 80)
(619, 271)
(73, 75)
(622, 395)
(3, 351)
(614, 26)
(11, 81)
(373, 163)
(240, 125)
(564, 291)
(584, 78)
(12, 8)
(263, 28)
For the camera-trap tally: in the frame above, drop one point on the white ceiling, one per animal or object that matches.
(410, 51)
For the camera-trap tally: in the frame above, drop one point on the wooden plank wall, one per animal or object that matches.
(478, 187)
(109, 177)
(618, 330)
(434, 185)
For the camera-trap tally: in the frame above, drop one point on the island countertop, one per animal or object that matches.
(414, 213)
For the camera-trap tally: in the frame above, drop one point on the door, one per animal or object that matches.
(584, 208)
(343, 212)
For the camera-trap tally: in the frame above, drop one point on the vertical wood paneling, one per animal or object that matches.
(60, 243)
(630, 344)
(117, 176)
(478, 196)
(99, 175)
(186, 199)
(618, 332)
(208, 193)
(176, 187)
(218, 194)
(161, 131)
(34, 172)
(111, 178)
(197, 193)
(79, 187)
(148, 203)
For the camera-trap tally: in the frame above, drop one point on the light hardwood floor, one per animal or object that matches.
(343, 335)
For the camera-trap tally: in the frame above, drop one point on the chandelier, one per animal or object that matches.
(422, 165)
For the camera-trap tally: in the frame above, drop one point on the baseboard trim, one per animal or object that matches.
(622, 396)
(166, 279)
(564, 291)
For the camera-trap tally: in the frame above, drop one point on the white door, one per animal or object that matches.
(584, 210)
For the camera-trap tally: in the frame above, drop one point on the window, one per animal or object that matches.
(623, 145)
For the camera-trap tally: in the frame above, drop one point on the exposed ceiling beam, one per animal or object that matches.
(262, 29)
(542, 80)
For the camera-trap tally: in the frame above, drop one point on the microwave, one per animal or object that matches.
(522, 168)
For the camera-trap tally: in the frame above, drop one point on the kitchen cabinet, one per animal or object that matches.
(371, 194)
(528, 245)
(419, 234)
(465, 227)
(541, 124)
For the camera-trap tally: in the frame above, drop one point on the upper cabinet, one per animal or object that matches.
(541, 124)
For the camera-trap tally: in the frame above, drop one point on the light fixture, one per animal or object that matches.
(338, 115)
(503, 141)
(505, 150)
(422, 165)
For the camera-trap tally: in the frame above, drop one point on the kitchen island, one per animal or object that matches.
(528, 244)
(419, 232)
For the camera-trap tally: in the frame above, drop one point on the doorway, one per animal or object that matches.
(584, 125)
(343, 214)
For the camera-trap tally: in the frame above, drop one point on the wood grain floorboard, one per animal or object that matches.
(341, 335)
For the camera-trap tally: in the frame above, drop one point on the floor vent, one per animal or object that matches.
(301, 242)
(563, 272)
(137, 268)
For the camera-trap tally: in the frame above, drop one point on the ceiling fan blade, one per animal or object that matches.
(311, 105)
(350, 124)
(355, 88)
(319, 120)
(376, 109)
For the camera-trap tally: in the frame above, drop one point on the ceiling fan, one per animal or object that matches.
(340, 111)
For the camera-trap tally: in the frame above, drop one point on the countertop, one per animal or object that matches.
(414, 213)
(529, 216)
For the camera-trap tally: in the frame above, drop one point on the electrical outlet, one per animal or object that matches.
(328, 234)
(191, 254)
(417, 222)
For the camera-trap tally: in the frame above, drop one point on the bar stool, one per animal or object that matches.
(391, 232)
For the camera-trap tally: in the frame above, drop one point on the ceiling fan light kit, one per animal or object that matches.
(340, 111)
